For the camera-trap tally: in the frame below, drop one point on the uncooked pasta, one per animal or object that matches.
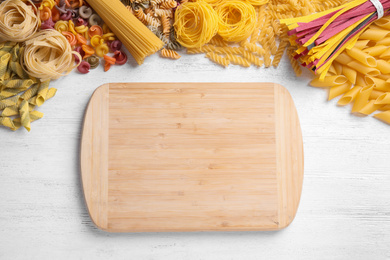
(49, 55)
(18, 21)
(139, 41)
(195, 24)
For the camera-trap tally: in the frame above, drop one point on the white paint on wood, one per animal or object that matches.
(345, 205)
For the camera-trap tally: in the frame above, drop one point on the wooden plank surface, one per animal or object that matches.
(188, 157)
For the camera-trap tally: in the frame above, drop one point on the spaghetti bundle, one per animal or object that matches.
(18, 21)
(321, 37)
(49, 55)
(237, 20)
(195, 24)
(135, 36)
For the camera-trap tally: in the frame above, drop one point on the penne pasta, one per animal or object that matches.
(370, 108)
(344, 59)
(361, 44)
(384, 99)
(339, 90)
(350, 73)
(338, 68)
(374, 34)
(350, 96)
(383, 116)
(329, 81)
(383, 66)
(363, 69)
(362, 57)
(376, 94)
(362, 98)
(375, 50)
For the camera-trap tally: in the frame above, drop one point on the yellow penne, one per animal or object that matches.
(350, 73)
(344, 59)
(383, 22)
(362, 57)
(374, 34)
(383, 116)
(332, 70)
(385, 54)
(362, 98)
(361, 44)
(360, 81)
(375, 94)
(338, 68)
(370, 108)
(384, 108)
(384, 76)
(383, 66)
(363, 69)
(339, 90)
(384, 99)
(379, 84)
(376, 50)
(329, 81)
(385, 41)
(350, 96)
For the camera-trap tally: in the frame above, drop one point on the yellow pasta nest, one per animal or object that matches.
(195, 24)
(237, 20)
(49, 55)
(18, 21)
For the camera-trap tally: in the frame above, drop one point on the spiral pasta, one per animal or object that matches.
(218, 59)
(49, 55)
(18, 21)
(195, 24)
(171, 54)
(237, 20)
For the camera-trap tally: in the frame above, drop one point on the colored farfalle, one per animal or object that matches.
(95, 30)
(61, 26)
(94, 19)
(70, 37)
(115, 45)
(120, 57)
(48, 24)
(102, 50)
(109, 61)
(84, 67)
(81, 39)
(96, 40)
(45, 13)
(85, 12)
(88, 50)
(93, 61)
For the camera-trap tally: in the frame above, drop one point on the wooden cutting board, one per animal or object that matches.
(191, 157)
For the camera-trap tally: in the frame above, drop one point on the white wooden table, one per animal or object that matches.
(345, 205)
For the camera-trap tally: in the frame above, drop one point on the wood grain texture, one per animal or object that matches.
(192, 156)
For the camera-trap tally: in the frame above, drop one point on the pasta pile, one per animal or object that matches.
(19, 94)
(322, 36)
(49, 56)
(362, 74)
(18, 22)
